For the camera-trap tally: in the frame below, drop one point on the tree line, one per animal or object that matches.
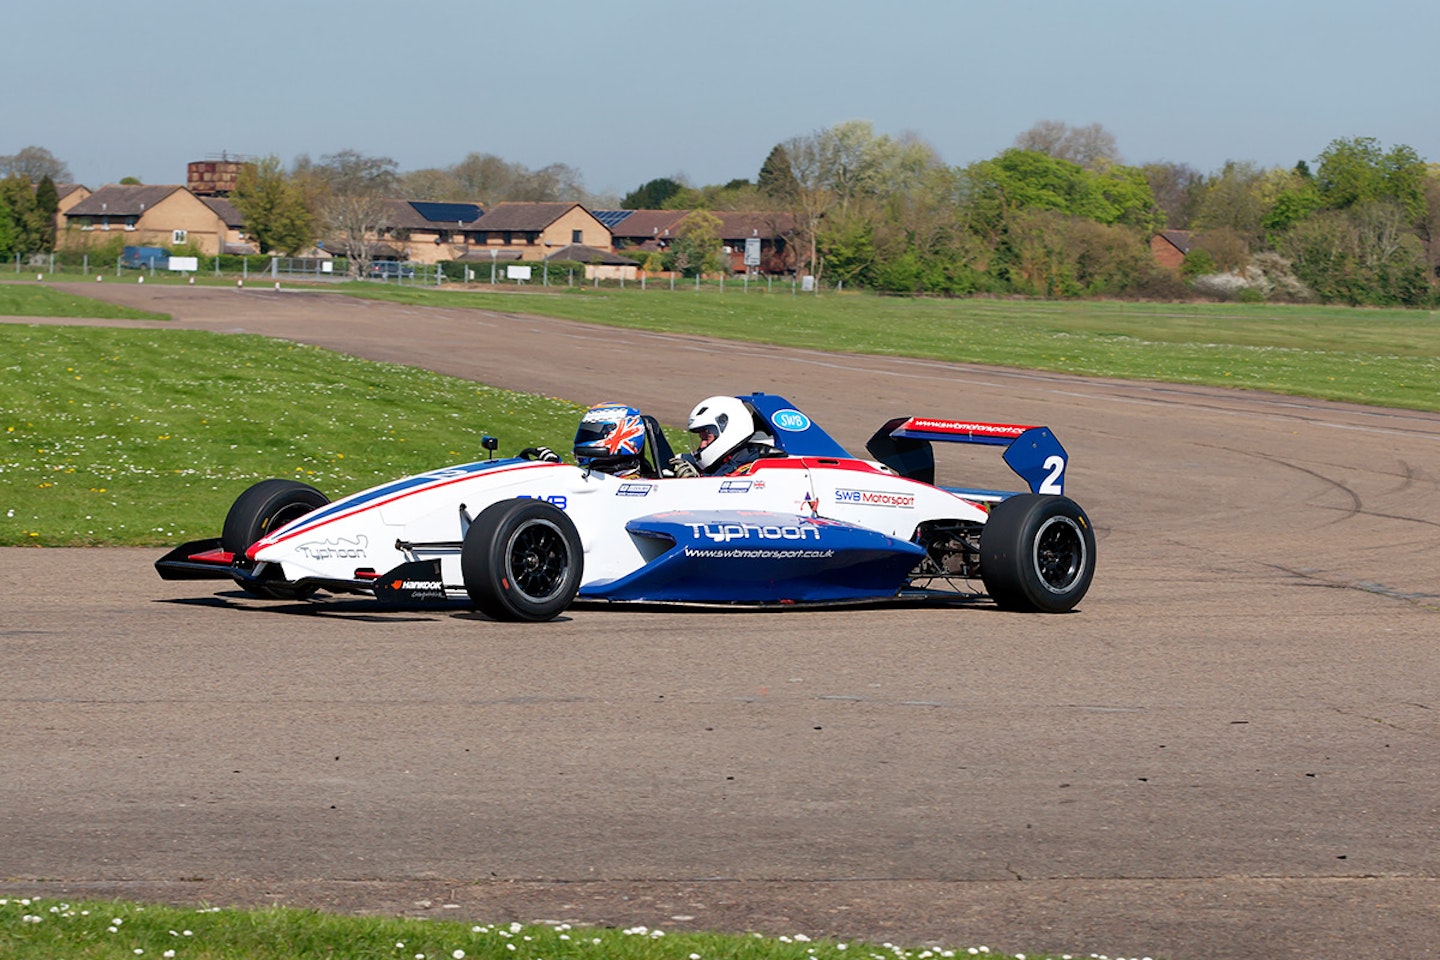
(1058, 214)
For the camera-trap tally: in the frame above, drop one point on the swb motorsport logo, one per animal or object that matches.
(876, 498)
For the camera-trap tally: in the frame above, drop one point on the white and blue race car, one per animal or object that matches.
(523, 539)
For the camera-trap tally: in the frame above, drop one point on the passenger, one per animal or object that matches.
(728, 440)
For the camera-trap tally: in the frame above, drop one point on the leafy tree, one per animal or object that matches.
(1027, 180)
(26, 225)
(777, 180)
(47, 208)
(275, 210)
(1298, 198)
(651, 195)
(1234, 198)
(1357, 171)
(696, 249)
(847, 169)
(9, 234)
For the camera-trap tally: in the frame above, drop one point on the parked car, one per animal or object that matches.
(140, 258)
(391, 270)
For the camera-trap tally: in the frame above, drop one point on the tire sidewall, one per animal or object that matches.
(485, 560)
(262, 508)
(1008, 546)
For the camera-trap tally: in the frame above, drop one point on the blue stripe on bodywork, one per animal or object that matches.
(395, 488)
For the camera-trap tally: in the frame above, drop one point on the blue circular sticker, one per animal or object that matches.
(791, 420)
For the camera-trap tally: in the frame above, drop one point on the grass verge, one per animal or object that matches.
(145, 437)
(24, 300)
(35, 929)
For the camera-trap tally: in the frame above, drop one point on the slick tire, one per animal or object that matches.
(1037, 553)
(522, 560)
(267, 506)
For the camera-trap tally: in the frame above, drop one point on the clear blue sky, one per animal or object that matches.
(626, 91)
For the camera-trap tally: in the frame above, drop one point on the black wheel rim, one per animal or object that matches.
(1059, 553)
(537, 560)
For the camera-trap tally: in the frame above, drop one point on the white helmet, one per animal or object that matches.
(723, 425)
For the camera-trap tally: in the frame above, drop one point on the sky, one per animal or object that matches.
(626, 92)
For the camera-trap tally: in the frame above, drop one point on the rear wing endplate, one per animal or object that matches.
(904, 445)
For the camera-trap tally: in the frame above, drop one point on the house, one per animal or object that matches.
(421, 231)
(235, 240)
(425, 232)
(68, 194)
(1169, 248)
(159, 216)
(775, 233)
(654, 230)
(647, 230)
(534, 230)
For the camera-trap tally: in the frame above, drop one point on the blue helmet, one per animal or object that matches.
(611, 437)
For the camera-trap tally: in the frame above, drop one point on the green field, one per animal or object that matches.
(111, 436)
(1384, 357)
(114, 436)
(36, 929)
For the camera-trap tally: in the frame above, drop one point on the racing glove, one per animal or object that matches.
(683, 467)
(540, 453)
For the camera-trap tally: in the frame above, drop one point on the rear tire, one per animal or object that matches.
(267, 506)
(522, 560)
(1037, 553)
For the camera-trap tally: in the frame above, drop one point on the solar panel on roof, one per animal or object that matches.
(612, 218)
(446, 212)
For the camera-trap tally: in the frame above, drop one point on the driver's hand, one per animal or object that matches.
(540, 453)
(682, 467)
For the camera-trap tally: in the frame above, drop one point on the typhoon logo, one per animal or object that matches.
(725, 532)
(341, 549)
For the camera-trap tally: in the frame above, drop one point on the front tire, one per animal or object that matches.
(522, 560)
(267, 506)
(1037, 553)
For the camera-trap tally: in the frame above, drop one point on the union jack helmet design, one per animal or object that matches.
(610, 435)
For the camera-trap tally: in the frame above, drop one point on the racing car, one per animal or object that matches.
(809, 523)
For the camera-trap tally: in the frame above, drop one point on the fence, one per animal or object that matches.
(257, 267)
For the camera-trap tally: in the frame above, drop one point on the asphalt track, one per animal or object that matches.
(1229, 751)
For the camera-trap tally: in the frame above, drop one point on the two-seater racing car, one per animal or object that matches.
(522, 538)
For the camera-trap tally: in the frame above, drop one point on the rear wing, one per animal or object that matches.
(904, 445)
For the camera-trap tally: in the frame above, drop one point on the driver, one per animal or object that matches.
(611, 439)
(728, 440)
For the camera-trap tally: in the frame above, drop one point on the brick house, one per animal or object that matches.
(1169, 248)
(425, 232)
(67, 195)
(158, 216)
(775, 231)
(655, 230)
(535, 230)
(643, 230)
(420, 231)
(235, 240)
